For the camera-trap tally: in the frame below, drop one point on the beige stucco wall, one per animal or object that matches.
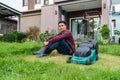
(105, 12)
(30, 20)
(49, 18)
(106, 16)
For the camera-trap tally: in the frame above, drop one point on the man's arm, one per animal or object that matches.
(61, 36)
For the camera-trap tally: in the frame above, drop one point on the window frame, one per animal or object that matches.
(25, 3)
(36, 1)
(46, 3)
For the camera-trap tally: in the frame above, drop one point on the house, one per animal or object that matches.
(116, 21)
(8, 22)
(116, 17)
(47, 13)
(31, 13)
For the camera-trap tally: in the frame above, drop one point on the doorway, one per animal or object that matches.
(80, 29)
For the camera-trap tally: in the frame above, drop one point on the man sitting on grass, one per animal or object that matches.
(63, 42)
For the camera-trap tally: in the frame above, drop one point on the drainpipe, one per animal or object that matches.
(109, 21)
(18, 23)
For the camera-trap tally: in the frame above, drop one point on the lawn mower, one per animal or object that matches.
(86, 53)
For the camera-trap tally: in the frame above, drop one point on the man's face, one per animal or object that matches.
(62, 27)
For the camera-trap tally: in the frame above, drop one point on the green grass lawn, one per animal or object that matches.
(17, 63)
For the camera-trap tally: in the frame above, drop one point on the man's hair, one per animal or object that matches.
(62, 22)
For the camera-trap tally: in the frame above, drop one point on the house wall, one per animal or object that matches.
(49, 18)
(31, 4)
(106, 15)
(29, 20)
(105, 12)
(117, 18)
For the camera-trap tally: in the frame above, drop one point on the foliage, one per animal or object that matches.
(33, 33)
(13, 36)
(1, 38)
(119, 40)
(46, 35)
(116, 32)
(42, 37)
(19, 36)
(105, 31)
(9, 37)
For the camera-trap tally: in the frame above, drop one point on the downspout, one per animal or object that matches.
(18, 23)
(110, 23)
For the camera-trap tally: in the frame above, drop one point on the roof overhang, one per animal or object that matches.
(78, 5)
(6, 11)
(114, 2)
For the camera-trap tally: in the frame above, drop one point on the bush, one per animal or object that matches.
(42, 37)
(33, 33)
(1, 38)
(105, 31)
(20, 36)
(9, 37)
(46, 35)
(13, 37)
(119, 41)
(116, 32)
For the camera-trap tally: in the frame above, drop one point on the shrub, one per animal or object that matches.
(13, 37)
(46, 35)
(33, 33)
(119, 41)
(105, 31)
(42, 37)
(1, 38)
(9, 37)
(116, 32)
(20, 36)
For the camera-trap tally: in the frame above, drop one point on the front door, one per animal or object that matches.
(80, 29)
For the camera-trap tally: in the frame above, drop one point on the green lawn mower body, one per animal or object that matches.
(86, 53)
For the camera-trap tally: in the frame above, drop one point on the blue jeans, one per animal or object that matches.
(61, 46)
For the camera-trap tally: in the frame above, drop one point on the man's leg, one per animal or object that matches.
(61, 46)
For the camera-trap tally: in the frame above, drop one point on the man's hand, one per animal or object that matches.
(46, 43)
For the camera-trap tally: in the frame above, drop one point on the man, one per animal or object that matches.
(63, 42)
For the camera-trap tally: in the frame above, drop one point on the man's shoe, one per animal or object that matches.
(42, 55)
(36, 53)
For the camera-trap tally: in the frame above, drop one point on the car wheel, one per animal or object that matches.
(88, 61)
(68, 59)
(97, 57)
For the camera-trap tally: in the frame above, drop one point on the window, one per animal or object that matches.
(37, 1)
(46, 2)
(114, 23)
(25, 2)
(6, 28)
